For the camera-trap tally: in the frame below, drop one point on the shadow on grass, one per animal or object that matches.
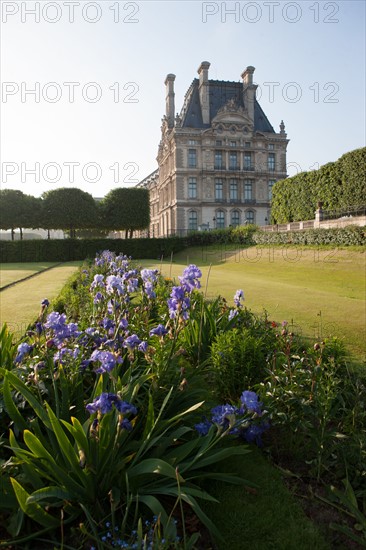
(265, 518)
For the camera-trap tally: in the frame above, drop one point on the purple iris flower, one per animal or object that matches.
(222, 413)
(239, 295)
(104, 404)
(23, 349)
(132, 341)
(203, 427)
(98, 281)
(107, 360)
(160, 330)
(143, 347)
(189, 280)
(249, 400)
(115, 283)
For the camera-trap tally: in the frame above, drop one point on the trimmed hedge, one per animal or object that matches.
(346, 236)
(66, 250)
(338, 185)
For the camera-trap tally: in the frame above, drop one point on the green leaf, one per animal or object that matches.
(33, 510)
(154, 466)
(49, 468)
(11, 408)
(50, 492)
(149, 418)
(68, 451)
(28, 396)
(77, 430)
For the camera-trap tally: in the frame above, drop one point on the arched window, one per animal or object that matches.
(249, 216)
(235, 218)
(220, 219)
(192, 220)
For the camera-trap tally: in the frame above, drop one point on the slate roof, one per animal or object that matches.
(220, 92)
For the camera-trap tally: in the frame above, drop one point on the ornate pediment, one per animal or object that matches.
(232, 113)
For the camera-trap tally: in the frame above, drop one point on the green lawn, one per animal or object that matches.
(321, 292)
(10, 273)
(265, 518)
(20, 304)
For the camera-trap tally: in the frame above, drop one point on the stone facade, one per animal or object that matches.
(217, 159)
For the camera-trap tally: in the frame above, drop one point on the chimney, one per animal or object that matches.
(203, 89)
(249, 90)
(169, 100)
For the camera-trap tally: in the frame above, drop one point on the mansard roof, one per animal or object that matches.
(220, 92)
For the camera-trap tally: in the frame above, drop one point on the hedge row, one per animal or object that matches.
(338, 185)
(346, 236)
(66, 250)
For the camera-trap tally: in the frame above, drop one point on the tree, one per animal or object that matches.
(69, 209)
(18, 210)
(126, 209)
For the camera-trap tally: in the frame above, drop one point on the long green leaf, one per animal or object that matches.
(67, 450)
(47, 493)
(149, 418)
(33, 510)
(28, 396)
(50, 468)
(77, 430)
(218, 456)
(154, 466)
(11, 408)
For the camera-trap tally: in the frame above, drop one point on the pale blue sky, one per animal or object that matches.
(312, 49)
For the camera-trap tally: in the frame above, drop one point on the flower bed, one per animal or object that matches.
(118, 405)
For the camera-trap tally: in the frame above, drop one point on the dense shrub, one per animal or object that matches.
(338, 185)
(66, 250)
(237, 360)
(351, 235)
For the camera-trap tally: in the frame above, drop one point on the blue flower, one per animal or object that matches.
(131, 342)
(160, 330)
(106, 358)
(104, 404)
(98, 281)
(23, 349)
(115, 283)
(149, 290)
(189, 281)
(178, 303)
(203, 427)
(249, 400)
(224, 415)
(143, 347)
(149, 275)
(45, 303)
(63, 353)
(98, 298)
(239, 295)
(253, 434)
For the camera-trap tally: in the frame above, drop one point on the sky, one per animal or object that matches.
(83, 94)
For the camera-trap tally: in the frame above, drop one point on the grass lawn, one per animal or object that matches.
(10, 273)
(320, 291)
(265, 518)
(20, 304)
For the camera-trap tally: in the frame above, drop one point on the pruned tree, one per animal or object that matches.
(18, 210)
(69, 209)
(126, 208)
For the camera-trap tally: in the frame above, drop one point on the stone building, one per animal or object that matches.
(217, 160)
